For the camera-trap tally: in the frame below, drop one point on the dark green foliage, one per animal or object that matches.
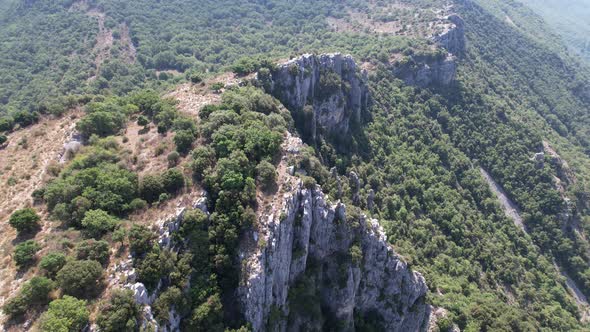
(154, 186)
(140, 239)
(33, 293)
(6, 123)
(24, 253)
(170, 298)
(97, 223)
(3, 139)
(25, 220)
(52, 263)
(142, 120)
(82, 279)
(266, 174)
(173, 158)
(173, 180)
(67, 314)
(85, 185)
(103, 119)
(154, 266)
(207, 316)
(120, 313)
(203, 158)
(93, 250)
(151, 187)
(184, 140)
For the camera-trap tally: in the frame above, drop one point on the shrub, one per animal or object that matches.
(151, 187)
(140, 239)
(173, 180)
(207, 110)
(142, 120)
(203, 158)
(3, 139)
(97, 223)
(24, 253)
(6, 123)
(34, 292)
(155, 265)
(173, 158)
(80, 278)
(119, 313)
(137, 204)
(93, 250)
(26, 118)
(308, 182)
(67, 314)
(171, 297)
(207, 316)
(52, 263)
(217, 86)
(195, 77)
(100, 123)
(266, 174)
(25, 220)
(184, 140)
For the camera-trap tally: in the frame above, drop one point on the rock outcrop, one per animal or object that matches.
(325, 92)
(424, 71)
(439, 70)
(452, 38)
(312, 263)
(123, 274)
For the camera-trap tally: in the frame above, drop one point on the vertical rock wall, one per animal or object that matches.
(330, 85)
(307, 230)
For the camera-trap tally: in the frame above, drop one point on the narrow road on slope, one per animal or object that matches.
(508, 206)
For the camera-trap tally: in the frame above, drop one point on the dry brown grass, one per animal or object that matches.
(28, 169)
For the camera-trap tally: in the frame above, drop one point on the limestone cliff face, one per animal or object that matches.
(453, 37)
(344, 262)
(327, 92)
(427, 71)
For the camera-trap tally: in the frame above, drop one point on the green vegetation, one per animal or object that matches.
(25, 253)
(25, 220)
(33, 293)
(65, 315)
(119, 313)
(419, 151)
(82, 279)
(52, 263)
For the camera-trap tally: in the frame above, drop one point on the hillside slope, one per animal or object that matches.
(284, 166)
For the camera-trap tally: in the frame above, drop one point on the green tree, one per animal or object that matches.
(93, 250)
(141, 239)
(25, 220)
(266, 174)
(151, 187)
(67, 314)
(184, 141)
(24, 253)
(82, 279)
(119, 314)
(208, 316)
(97, 223)
(34, 292)
(52, 263)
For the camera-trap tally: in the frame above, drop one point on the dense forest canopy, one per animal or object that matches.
(417, 154)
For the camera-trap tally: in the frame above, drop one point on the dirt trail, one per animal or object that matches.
(509, 207)
(104, 39)
(581, 300)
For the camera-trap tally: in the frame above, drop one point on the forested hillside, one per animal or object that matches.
(181, 165)
(569, 19)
